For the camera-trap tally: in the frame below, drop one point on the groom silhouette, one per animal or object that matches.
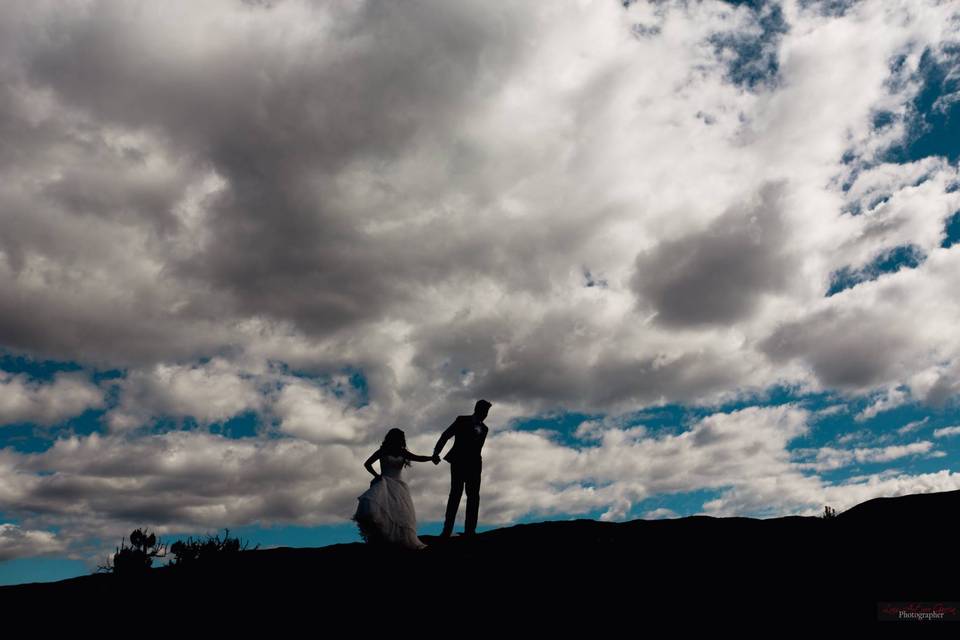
(469, 434)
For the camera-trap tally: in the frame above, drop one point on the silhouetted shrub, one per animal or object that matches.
(829, 512)
(136, 559)
(213, 550)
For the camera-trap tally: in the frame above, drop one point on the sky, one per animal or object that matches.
(701, 256)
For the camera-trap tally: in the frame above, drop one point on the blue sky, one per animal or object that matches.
(701, 256)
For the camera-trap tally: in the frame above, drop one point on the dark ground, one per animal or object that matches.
(577, 574)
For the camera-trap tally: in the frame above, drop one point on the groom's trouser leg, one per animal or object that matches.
(453, 502)
(472, 481)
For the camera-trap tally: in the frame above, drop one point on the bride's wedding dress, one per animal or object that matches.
(385, 511)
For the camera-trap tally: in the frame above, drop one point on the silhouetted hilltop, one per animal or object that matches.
(918, 507)
(790, 568)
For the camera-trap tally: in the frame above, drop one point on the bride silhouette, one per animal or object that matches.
(385, 512)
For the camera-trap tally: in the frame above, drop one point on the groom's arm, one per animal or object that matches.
(446, 435)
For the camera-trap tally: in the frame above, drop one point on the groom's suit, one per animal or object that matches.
(465, 460)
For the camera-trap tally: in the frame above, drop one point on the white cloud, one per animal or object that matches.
(16, 542)
(832, 410)
(26, 400)
(829, 458)
(912, 426)
(853, 436)
(182, 480)
(318, 415)
(211, 392)
(659, 514)
(100, 487)
(886, 400)
(807, 496)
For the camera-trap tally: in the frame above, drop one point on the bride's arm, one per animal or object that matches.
(369, 463)
(416, 458)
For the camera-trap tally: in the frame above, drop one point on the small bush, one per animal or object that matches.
(192, 552)
(829, 512)
(136, 559)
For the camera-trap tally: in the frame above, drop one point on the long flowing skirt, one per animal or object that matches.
(385, 514)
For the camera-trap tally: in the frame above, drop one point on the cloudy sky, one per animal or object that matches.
(698, 254)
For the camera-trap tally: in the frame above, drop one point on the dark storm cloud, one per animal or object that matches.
(355, 183)
(943, 391)
(548, 363)
(846, 350)
(93, 189)
(138, 106)
(549, 377)
(278, 123)
(75, 330)
(718, 275)
(183, 479)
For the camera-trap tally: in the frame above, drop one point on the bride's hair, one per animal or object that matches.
(395, 443)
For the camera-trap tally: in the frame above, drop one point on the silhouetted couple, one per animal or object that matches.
(385, 513)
